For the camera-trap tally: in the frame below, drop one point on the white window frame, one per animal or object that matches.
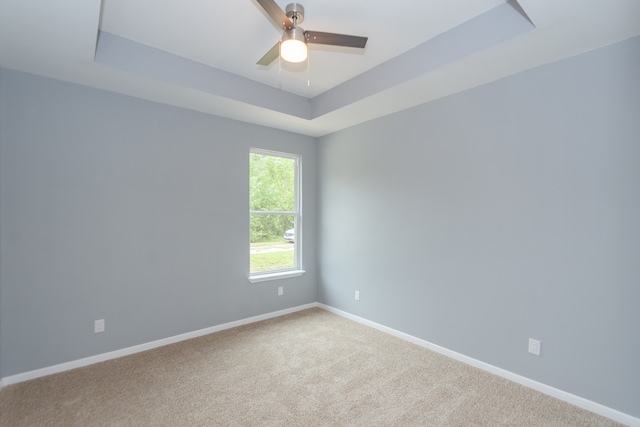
(296, 270)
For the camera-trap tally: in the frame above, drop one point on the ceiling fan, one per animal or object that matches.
(293, 46)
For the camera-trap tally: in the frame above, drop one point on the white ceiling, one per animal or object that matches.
(202, 54)
(233, 35)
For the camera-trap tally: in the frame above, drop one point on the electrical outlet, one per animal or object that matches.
(280, 291)
(534, 346)
(98, 326)
(357, 295)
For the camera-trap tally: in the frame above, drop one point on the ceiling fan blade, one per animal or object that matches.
(270, 56)
(335, 39)
(277, 15)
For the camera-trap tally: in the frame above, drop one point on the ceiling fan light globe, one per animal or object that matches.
(293, 51)
(294, 45)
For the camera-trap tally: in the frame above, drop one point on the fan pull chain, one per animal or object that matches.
(308, 68)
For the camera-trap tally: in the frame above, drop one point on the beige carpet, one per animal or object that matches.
(311, 368)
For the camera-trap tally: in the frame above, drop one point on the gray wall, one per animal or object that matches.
(135, 212)
(498, 214)
(1, 114)
(475, 222)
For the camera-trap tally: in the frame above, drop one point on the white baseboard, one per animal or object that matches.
(25, 376)
(580, 402)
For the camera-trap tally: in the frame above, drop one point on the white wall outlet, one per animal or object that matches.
(534, 346)
(280, 291)
(357, 295)
(98, 326)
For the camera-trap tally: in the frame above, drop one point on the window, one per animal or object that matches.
(274, 212)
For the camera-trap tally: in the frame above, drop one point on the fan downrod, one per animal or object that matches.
(295, 12)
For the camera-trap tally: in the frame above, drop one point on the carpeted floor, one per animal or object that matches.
(310, 368)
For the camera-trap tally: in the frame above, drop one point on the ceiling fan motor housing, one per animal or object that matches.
(295, 12)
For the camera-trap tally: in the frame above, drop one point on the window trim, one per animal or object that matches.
(281, 274)
(297, 269)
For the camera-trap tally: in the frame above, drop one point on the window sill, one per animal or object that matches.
(275, 276)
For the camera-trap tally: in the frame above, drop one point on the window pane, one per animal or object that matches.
(274, 212)
(272, 242)
(272, 181)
